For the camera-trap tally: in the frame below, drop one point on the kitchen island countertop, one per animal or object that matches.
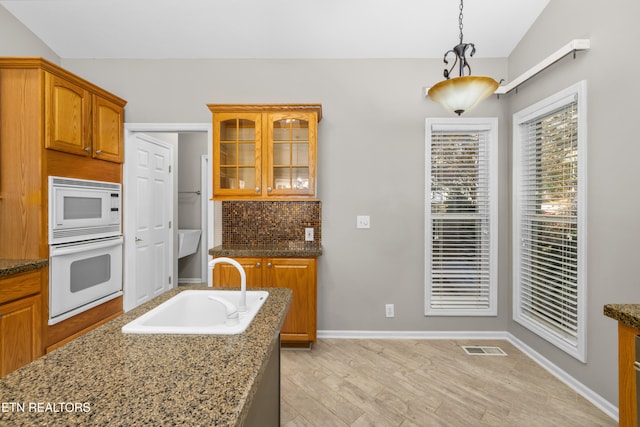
(628, 314)
(106, 377)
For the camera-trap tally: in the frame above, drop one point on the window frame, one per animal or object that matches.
(576, 93)
(480, 124)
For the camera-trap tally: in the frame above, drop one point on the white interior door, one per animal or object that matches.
(149, 210)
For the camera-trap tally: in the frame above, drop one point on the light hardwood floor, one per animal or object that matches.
(348, 382)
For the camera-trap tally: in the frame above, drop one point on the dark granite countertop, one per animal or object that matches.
(9, 267)
(628, 314)
(109, 378)
(281, 249)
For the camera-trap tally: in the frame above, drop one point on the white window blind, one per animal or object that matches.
(548, 220)
(460, 219)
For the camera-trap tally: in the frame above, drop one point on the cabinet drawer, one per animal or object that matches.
(19, 286)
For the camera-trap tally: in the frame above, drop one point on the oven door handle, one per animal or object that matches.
(84, 246)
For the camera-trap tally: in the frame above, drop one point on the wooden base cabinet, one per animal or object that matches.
(297, 274)
(628, 409)
(20, 320)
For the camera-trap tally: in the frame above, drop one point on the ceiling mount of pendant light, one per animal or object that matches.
(463, 93)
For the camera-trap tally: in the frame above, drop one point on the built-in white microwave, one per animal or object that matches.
(81, 209)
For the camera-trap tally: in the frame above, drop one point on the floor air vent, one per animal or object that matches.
(478, 350)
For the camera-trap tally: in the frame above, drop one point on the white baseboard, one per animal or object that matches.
(419, 335)
(593, 397)
(194, 281)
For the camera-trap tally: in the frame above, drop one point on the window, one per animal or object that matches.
(461, 217)
(549, 219)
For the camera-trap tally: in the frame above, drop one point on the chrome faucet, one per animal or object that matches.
(242, 307)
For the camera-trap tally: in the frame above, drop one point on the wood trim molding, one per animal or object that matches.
(65, 331)
(34, 62)
(239, 108)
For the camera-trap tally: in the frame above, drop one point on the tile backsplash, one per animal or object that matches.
(266, 222)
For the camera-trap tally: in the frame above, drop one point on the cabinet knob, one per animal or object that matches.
(257, 265)
(257, 189)
(98, 152)
(269, 189)
(269, 265)
(87, 149)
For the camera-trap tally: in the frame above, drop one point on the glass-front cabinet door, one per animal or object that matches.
(237, 158)
(291, 156)
(265, 151)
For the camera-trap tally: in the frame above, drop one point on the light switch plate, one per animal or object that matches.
(363, 221)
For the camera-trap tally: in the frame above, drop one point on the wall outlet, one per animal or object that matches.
(389, 310)
(308, 234)
(363, 221)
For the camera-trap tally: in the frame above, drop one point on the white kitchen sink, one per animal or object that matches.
(199, 312)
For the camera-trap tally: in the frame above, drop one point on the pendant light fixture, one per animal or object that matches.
(461, 93)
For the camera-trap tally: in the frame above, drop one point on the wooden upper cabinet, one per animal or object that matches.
(108, 130)
(51, 121)
(265, 151)
(68, 113)
(81, 121)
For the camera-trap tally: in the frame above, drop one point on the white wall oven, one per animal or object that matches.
(85, 245)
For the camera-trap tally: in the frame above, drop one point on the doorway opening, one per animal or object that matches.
(193, 164)
(190, 209)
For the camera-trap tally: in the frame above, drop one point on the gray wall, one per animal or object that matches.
(613, 152)
(371, 162)
(17, 40)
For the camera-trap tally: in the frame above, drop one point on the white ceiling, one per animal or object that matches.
(274, 28)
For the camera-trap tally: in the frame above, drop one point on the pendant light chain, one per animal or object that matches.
(460, 20)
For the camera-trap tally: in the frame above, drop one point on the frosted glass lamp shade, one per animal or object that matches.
(462, 94)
